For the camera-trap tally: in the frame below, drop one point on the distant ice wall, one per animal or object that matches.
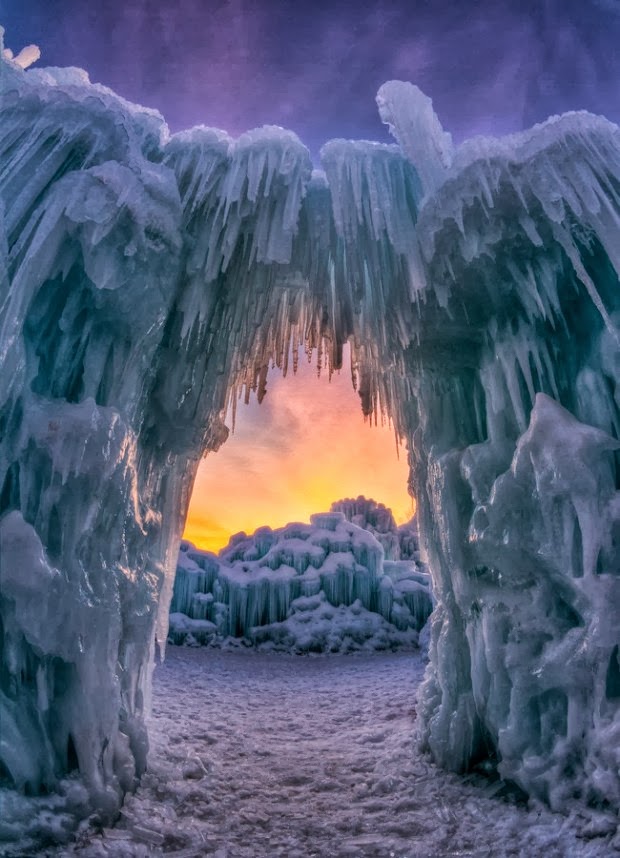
(259, 582)
(145, 279)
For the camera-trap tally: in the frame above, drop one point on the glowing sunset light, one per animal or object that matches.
(305, 446)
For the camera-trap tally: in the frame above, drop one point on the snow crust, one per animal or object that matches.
(318, 587)
(147, 280)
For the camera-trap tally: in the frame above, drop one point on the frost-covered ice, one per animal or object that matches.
(322, 586)
(147, 279)
(399, 543)
(257, 756)
(315, 625)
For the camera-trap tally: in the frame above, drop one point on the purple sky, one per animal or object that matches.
(315, 67)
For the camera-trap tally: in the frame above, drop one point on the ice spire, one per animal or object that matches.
(409, 115)
(25, 58)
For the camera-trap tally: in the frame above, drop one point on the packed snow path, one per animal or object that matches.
(273, 755)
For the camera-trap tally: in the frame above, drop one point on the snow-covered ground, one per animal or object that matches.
(260, 755)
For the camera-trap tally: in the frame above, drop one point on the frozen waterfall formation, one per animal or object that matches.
(147, 279)
(326, 586)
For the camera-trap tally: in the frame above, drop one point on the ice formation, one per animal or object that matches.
(399, 543)
(147, 279)
(323, 586)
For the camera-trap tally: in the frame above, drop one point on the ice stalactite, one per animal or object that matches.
(147, 279)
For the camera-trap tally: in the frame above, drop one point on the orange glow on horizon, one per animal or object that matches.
(304, 447)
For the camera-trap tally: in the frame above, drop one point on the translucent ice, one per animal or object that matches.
(538, 582)
(257, 585)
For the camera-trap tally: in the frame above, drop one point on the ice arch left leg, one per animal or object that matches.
(143, 278)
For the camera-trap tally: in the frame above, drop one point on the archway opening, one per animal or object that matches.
(308, 525)
(303, 447)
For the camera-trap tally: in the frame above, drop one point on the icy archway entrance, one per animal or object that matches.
(145, 278)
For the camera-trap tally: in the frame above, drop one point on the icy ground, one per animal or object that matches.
(259, 756)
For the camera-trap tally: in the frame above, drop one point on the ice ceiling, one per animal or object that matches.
(146, 278)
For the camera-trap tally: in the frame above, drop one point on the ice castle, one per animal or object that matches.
(146, 279)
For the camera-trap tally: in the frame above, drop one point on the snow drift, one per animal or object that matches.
(147, 279)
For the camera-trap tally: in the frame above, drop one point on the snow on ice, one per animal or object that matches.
(323, 586)
(147, 280)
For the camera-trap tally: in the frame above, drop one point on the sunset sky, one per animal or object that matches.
(315, 67)
(303, 447)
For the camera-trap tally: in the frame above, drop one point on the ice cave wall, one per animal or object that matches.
(142, 277)
(513, 419)
(146, 279)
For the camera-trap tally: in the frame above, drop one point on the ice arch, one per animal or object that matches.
(144, 277)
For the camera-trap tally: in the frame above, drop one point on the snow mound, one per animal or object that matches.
(315, 625)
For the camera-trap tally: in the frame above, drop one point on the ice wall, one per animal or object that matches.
(146, 280)
(258, 582)
(514, 422)
(91, 232)
(138, 273)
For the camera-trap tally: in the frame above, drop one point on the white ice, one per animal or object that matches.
(147, 279)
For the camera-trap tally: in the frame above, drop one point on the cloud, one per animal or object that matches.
(317, 67)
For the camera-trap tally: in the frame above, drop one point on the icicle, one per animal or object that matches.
(569, 248)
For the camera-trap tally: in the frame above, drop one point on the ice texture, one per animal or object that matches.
(260, 755)
(148, 279)
(304, 587)
(399, 543)
(409, 114)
